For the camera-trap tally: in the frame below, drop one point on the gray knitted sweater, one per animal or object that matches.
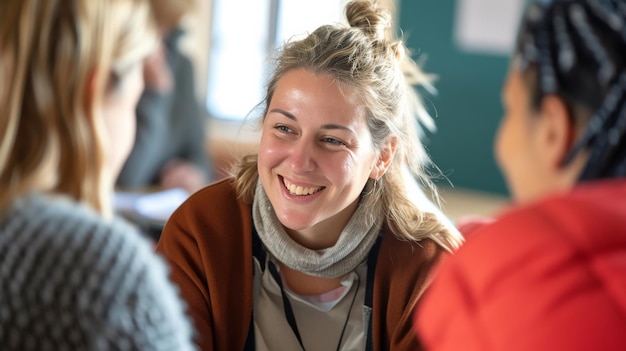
(70, 280)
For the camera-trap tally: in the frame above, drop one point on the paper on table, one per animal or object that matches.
(158, 206)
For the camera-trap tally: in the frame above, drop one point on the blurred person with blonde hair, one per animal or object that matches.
(72, 276)
(170, 149)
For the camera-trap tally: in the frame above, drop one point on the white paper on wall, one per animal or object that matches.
(487, 26)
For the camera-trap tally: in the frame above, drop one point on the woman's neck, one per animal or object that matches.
(304, 284)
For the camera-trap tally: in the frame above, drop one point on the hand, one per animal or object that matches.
(156, 73)
(182, 174)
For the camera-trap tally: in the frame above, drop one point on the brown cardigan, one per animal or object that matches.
(208, 242)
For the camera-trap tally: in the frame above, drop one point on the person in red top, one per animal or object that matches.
(550, 272)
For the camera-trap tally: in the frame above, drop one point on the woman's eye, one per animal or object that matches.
(333, 141)
(284, 129)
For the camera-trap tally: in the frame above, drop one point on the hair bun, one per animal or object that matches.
(367, 16)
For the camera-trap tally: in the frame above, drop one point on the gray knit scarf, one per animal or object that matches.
(354, 243)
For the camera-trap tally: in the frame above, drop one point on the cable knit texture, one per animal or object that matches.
(70, 280)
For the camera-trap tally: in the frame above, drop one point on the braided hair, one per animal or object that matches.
(576, 49)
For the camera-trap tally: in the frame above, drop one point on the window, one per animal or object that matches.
(244, 34)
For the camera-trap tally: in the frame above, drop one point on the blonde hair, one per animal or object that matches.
(58, 59)
(379, 69)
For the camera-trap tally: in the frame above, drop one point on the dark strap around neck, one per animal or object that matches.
(372, 259)
(259, 253)
(289, 315)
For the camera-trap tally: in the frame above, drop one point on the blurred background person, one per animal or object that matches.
(170, 149)
(550, 273)
(72, 276)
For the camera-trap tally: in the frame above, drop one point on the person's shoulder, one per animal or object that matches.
(83, 264)
(426, 247)
(404, 267)
(224, 186)
(72, 229)
(561, 217)
(77, 238)
(587, 201)
(532, 262)
(216, 196)
(556, 230)
(412, 255)
(217, 204)
(60, 213)
(515, 232)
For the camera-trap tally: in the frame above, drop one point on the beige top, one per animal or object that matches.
(320, 324)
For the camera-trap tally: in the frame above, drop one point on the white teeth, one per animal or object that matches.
(298, 190)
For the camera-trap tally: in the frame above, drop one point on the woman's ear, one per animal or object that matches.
(384, 158)
(557, 132)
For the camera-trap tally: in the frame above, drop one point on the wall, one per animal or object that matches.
(468, 102)
(467, 105)
(197, 41)
(226, 141)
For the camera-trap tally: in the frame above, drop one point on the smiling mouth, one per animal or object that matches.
(299, 190)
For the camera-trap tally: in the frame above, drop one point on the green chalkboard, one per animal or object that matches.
(467, 105)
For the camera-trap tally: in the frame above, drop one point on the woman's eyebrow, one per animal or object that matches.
(325, 126)
(285, 113)
(337, 126)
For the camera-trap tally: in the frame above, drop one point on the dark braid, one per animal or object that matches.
(577, 49)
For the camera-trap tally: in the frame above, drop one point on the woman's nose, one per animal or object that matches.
(302, 157)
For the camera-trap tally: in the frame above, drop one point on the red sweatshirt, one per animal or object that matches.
(547, 276)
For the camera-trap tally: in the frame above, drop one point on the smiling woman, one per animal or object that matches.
(319, 155)
(315, 242)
